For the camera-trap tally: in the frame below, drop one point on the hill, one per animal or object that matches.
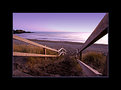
(20, 31)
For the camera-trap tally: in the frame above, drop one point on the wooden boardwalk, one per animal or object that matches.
(99, 32)
(88, 71)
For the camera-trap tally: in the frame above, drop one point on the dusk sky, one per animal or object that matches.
(57, 22)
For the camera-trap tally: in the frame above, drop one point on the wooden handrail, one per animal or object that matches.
(30, 42)
(32, 54)
(62, 53)
(89, 71)
(33, 43)
(100, 31)
(62, 49)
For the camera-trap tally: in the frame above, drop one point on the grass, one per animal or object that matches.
(96, 60)
(53, 66)
(38, 66)
(62, 66)
(31, 49)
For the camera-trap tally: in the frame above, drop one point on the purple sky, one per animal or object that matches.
(57, 22)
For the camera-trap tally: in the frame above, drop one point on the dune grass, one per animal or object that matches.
(53, 66)
(61, 66)
(96, 60)
(31, 49)
(40, 66)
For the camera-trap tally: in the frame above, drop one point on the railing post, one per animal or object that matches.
(80, 56)
(44, 49)
(106, 66)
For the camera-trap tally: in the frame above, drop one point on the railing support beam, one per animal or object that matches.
(80, 56)
(99, 32)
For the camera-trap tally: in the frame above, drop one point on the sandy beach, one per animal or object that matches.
(69, 46)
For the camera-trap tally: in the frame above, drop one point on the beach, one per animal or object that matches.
(69, 46)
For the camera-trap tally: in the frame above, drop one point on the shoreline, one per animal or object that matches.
(64, 42)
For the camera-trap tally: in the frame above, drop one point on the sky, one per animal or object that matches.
(57, 22)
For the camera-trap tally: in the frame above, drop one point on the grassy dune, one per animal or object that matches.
(96, 60)
(38, 66)
(61, 66)
(31, 49)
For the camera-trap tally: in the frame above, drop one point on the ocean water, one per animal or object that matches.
(62, 36)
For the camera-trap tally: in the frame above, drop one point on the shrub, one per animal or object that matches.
(53, 66)
(38, 66)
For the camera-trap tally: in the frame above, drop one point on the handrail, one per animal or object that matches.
(89, 70)
(45, 47)
(62, 53)
(100, 31)
(32, 54)
(62, 49)
(28, 41)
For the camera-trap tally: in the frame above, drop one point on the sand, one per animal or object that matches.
(69, 46)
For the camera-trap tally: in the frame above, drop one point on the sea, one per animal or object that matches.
(80, 37)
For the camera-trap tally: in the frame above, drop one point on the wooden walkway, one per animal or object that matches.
(99, 32)
(88, 71)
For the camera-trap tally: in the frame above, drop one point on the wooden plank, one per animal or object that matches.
(62, 53)
(44, 49)
(32, 54)
(62, 49)
(33, 43)
(88, 70)
(100, 31)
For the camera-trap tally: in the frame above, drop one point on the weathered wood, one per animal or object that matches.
(62, 53)
(62, 49)
(80, 56)
(100, 31)
(44, 49)
(33, 43)
(32, 54)
(88, 70)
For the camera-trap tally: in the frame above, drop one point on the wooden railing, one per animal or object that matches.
(99, 32)
(60, 52)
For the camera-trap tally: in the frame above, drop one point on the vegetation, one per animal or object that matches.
(31, 49)
(96, 60)
(38, 66)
